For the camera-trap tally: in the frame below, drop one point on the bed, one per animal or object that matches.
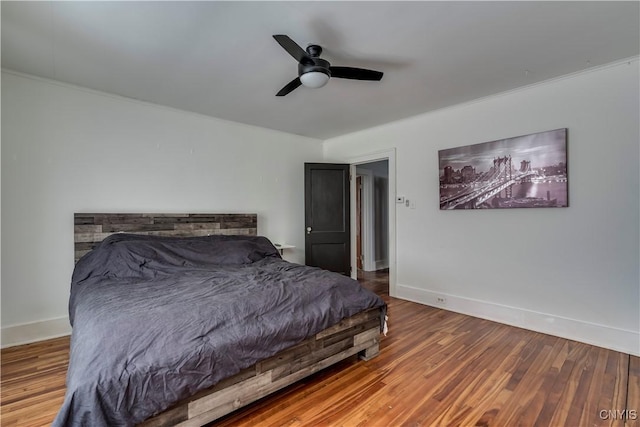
(181, 319)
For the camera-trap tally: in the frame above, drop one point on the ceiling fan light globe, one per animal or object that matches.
(314, 79)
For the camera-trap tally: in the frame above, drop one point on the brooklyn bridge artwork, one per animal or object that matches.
(528, 171)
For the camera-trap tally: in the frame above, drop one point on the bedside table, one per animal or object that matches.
(282, 246)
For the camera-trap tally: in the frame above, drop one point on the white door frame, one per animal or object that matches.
(389, 155)
(367, 236)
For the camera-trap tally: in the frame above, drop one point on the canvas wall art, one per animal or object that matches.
(528, 171)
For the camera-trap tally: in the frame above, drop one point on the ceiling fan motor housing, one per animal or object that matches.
(319, 65)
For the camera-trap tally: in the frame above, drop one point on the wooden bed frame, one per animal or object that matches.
(359, 334)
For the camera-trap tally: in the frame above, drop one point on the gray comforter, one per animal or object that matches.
(157, 319)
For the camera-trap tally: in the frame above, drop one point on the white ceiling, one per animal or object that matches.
(219, 58)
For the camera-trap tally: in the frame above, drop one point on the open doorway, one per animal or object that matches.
(373, 218)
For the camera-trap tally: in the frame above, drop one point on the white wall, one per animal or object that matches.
(572, 272)
(67, 149)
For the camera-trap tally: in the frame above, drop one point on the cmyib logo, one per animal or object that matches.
(617, 414)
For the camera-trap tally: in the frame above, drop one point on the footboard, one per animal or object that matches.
(359, 334)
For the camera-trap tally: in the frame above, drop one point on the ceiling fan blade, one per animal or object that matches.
(293, 84)
(355, 73)
(293, 48)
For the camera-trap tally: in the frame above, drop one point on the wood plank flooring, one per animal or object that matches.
(435, 368)
(33, 382)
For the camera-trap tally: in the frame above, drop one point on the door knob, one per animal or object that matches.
(308, 230)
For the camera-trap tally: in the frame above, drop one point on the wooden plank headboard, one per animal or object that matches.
(90, 228)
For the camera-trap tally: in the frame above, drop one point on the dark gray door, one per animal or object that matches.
(327, 242)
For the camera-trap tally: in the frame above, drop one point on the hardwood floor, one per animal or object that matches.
(375, 281)
(32, 382)
(435, 368)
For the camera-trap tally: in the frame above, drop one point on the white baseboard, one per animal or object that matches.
(625, 341)
(376, 265)
(37, 331)
(381, 264)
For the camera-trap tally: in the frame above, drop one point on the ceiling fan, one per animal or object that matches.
(314, 72)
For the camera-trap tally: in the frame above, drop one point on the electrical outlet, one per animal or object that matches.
(441, 300)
